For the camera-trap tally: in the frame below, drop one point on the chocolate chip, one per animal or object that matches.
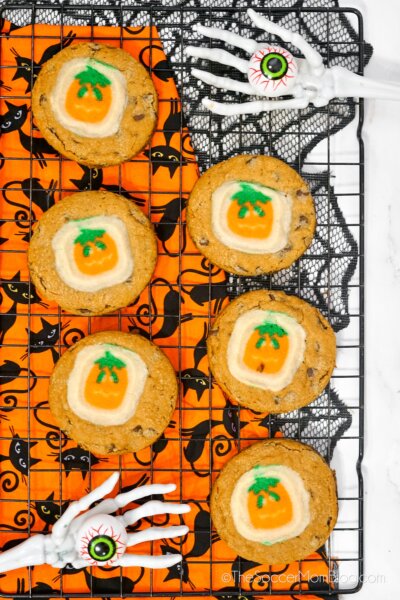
(138, 117)
(83, 311)
(317, 347)
(261, 367)
(276, 400)
(204, 241)
(301, 193)
(42, 99)
(271, 297)
(303, 220)
(310, 372)
(138, 430)
(111, 449)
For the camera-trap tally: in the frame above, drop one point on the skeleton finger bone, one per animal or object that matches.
(110, 505)
(223, 82)
(233, 39)
(312, 55)
(152, 562)
(154, 507)
(254, 107)
(60, 528)
(29, 552)
(220, 56)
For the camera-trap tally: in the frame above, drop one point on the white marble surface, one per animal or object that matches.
(381, 465)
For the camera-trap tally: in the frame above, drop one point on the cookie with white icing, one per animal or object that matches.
(271, 352)
(95, 104)
(92, 253)
(275, 502)
(113, 392)
(251, 215)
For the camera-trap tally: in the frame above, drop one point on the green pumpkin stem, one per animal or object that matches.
(110, 362)
(95, 79)
(247, 196)
(263, 484)
(272, 330)
(88, 236)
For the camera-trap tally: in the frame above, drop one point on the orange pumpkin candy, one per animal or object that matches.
(270, 509)
(268, 357)
(252, 225)
(107, 383)
(96, 256)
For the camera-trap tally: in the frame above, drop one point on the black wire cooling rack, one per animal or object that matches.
(172, 18)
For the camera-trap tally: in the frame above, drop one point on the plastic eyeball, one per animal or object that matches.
(272, 71)
(101, 540)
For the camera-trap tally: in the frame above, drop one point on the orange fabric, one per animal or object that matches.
(201, 436)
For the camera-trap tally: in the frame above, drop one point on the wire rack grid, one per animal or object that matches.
(89, 15)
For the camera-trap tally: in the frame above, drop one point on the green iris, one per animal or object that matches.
(102, 548)
(274, 66)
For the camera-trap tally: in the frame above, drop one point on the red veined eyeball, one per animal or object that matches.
(272, 71)
(101, 540)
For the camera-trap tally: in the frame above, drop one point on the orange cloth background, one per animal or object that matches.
(203, 433)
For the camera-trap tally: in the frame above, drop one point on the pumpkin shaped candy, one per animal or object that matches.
(275, 502)
(251, 214)
(271, 352)
(92, 253)
(95, 104)
(113, 392)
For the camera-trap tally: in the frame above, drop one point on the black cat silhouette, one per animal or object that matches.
(165, 228)
(40, 591)
(178, 571)
(20, 293)
(19, 454)
(195, 447)
(35, 193)
(44, 339)
(231, 420)
(25, 66)
(202, 293)
(112, 586)
(50, 511)
(202, 528)
(193, 378)
(92, 179)
(13, 120)
(156, 448)
(76, 459)
(9, 371)
(33, 190)
(233, 593)
(161, 68)
(220, 444)
(67, 570)
(167, 156)
(171, 212)
(170, 313)
(3, 86)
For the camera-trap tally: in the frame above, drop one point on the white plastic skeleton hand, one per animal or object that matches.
(273, 71)
(97, 538)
